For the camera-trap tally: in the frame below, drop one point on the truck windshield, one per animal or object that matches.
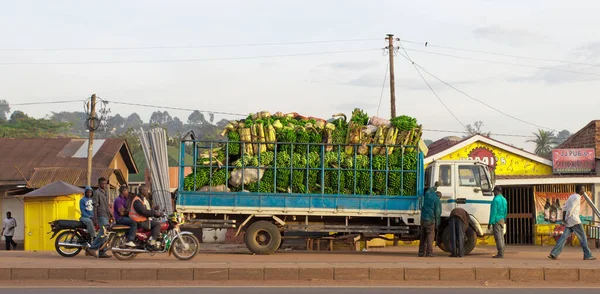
(473, 176)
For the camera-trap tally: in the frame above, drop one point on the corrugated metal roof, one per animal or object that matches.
(59, 188)
(29, 154)
(74, 176)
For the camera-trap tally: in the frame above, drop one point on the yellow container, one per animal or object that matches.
(40, 211)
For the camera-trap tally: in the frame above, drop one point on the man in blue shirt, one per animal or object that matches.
(86, 206)
(431, 213)
(498, 212)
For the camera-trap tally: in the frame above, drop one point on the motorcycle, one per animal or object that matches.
(183, 245)
(73, 237)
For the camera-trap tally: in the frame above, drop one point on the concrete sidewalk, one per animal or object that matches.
(397, 263)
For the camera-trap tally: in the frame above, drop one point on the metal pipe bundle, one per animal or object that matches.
(154, 145)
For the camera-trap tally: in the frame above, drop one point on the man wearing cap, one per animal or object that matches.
(497, 221)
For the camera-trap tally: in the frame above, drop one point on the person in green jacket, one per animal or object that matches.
(431, 213)
(498, 211)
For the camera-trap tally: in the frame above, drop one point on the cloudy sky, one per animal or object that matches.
(301, 77)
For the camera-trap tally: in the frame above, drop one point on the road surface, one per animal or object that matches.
(287, 290)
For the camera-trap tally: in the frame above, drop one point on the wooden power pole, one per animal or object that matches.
(91, 127)
(390, 38)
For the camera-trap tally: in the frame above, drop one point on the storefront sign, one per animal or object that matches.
(501, 161)
(571, 161)
(484, 155)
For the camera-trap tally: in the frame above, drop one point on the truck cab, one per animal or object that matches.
(467, 184)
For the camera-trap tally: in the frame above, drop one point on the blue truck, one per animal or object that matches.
(266, 213)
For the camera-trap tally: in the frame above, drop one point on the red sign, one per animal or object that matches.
(574, 161)
(484, 155)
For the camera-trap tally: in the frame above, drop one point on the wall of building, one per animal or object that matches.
(119, 163)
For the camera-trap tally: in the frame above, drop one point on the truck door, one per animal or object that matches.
(474, 192)
(444, 176)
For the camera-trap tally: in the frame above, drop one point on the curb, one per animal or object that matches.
(303, 274)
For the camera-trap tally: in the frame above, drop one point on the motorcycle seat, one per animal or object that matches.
(120, 227)
(70, 224)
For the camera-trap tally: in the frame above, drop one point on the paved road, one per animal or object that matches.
(287, 290)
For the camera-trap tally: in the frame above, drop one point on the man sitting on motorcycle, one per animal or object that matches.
(140, 214)
(121, 215)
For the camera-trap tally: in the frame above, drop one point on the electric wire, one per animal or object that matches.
(387, 67)
(505, 63)
(188, 60)
(176, 108)
(189, 46)
(500, 54)
(430, 88)
(473, 98)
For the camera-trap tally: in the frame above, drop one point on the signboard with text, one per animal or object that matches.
(573, 161)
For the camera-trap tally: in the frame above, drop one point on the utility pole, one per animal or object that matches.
(91, 127)
(390, 38)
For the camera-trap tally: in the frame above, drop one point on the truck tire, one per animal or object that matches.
(439, 241)
(468, 246)
(263, 238)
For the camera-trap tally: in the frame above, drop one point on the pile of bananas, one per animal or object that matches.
(359, 155)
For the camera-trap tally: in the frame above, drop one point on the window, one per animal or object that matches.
(474, 176)
(428, 176)
(469, 176)
(485, 183)
(445, 176)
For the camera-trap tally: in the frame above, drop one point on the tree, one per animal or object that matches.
(197, 118)
(115, 123)
(562, 136)
(133, 121)
(161, 118)
(544, 142)
(4, 110)
(74, 118)
(476, 129)
(18, 116)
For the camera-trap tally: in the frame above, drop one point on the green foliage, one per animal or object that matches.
(234, 148)
(404, 123)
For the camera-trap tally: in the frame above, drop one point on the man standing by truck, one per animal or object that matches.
(430, 219)
(458, 224)
(498, 219)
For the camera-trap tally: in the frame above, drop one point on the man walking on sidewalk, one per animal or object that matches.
(8, 230)
(498, 220)
(573, 225)
(430, 219)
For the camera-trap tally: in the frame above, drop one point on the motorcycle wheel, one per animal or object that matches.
(68, 237)
(179, 247)
(119, 241)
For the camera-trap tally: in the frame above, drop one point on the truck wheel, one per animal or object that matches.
(470, 240)
(263, 238)
(468, 246)
(439, 241)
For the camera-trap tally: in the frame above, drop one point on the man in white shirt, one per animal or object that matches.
(573, 225)
(8, 230)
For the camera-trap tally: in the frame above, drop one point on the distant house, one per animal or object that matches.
(29, 164)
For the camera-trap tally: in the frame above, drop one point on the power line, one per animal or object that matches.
(505, 63)
(501, 54)
(40, 103)
(430, 88)
(188, 46)
(473, 98)
(176, 108)
(464, 132)
(187, 60)
(383, 85)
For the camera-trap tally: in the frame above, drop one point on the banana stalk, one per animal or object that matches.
(270, 137)
(328, 139)
(379, 139)
(246, 136)
(260, 132)
(390, 139)
(254, 138)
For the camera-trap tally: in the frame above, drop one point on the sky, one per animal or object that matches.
(306, 77)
